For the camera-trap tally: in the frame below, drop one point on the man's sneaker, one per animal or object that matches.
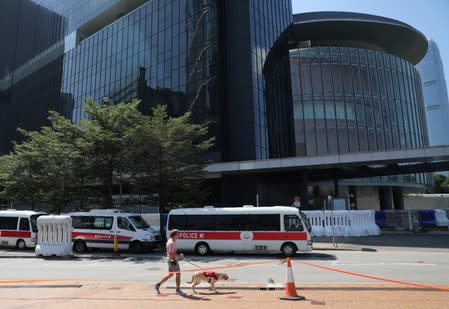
(179, 292)
(156, 288)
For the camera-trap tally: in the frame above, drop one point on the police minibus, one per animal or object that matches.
(240, 229)
(18, 228)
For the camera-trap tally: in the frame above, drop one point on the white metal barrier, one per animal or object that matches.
(343, 222)
(441, 218)
(54, 236)
(153, 220)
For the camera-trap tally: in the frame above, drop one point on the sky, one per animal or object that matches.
(430, 17)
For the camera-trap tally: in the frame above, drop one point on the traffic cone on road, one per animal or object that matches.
(290, 288)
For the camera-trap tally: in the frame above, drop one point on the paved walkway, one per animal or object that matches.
(108, 294)
(92, 294)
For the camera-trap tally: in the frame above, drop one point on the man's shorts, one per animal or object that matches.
(173, 266)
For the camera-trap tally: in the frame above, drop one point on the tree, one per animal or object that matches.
(105, 130)
(41, 169)
(116, 143)
(441, 184)
(167, 160)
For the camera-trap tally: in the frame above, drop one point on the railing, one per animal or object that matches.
(343, 222)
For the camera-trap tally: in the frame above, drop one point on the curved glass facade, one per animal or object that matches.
(354, 100)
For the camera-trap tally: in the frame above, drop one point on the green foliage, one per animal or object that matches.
(66, 164)
(441, 184)
(167, 160)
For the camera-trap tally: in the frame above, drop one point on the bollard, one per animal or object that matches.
(115, 244)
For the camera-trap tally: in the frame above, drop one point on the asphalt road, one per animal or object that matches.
(410, 265)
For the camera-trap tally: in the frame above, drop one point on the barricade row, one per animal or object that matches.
(413, 220)
(325, 223)
(343, 222)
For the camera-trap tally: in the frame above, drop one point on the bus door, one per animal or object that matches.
(296, 231)
(125, 231)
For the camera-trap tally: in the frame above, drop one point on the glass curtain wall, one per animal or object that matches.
(353, 99)
(356, 100)
(164, 52)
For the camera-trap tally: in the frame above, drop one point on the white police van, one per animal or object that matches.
(98, 227)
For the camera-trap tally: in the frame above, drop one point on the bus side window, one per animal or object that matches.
(292, 223)
(24, 224)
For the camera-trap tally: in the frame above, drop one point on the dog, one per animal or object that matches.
(210, 277)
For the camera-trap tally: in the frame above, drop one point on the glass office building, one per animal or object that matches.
(203, 56)
(354, 88)
(267, 84)
(435, 95)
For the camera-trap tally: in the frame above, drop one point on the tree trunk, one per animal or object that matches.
(107, 193)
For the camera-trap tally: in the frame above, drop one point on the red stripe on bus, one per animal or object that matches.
(279, 236)
(20, 234)
(210, 235)
(236, 235)
(98, 236)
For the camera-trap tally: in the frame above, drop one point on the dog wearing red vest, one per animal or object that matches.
(210, 277)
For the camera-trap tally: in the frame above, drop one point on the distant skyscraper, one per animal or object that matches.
(435, 96)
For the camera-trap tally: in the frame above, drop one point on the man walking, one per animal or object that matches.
(173, 265)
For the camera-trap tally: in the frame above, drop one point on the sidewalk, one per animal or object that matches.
(388, 241)
(106, 294)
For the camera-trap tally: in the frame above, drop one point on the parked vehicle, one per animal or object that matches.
(240, 229)
(18, 228)
(97, 229)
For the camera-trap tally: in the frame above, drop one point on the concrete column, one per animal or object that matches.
(398, 198)
(303, 191)
(385, 198)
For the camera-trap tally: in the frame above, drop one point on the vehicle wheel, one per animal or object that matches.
(21, 244)
(202, 249)
(79, 246)
(136, 247)
(288, 249)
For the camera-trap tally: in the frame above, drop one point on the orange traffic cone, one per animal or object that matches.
(290, 288)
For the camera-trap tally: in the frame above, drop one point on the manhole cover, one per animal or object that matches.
(318, 302)
(234, 297)
(116, 288)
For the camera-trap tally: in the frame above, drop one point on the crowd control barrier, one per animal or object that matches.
(427, 218)
(343, 222)
(152, 220)
(54, 236)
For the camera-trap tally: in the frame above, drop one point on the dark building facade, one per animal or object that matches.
(203, 56)
(267, 84)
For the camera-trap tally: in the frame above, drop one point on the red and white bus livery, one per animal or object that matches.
(240, 229)
(18, 228)
(97, 229)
